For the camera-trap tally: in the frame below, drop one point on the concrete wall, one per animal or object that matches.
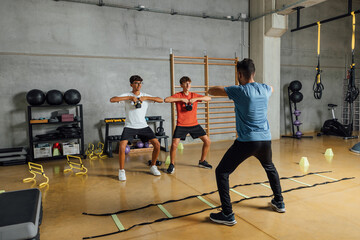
(62, 45)
(265, 33)
(299, 60)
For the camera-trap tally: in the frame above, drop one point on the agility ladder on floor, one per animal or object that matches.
(200, 197)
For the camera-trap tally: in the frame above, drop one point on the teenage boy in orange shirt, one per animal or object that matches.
(186, 108)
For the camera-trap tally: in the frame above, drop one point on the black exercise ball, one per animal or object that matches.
(295, 86)
(296, 97)
(72, 96)
(35, 97)
(54, 97)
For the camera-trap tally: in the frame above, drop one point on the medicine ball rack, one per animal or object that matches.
(37, 126)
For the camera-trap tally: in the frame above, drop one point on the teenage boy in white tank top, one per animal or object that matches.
(135, 123)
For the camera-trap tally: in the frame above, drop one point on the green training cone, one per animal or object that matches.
(167, 161)
(180, 146)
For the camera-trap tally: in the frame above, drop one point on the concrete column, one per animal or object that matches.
(265, 33)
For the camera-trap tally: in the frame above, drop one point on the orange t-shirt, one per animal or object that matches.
(186, 118)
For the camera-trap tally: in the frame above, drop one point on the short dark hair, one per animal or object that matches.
(246, 67)
(184, 79)
(134, 78)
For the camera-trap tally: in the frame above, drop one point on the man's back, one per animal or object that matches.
(251, 103)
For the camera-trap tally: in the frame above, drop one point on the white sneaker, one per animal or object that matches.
(154, 170)
(122, 176)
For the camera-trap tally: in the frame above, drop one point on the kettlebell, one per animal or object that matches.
(188, 107)
(158, 163)
(138, 104)
(160, 131)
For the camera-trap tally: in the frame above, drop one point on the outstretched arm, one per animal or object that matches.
(175, 99)
(118, 99)
(217, 91)
(155, 99)
(203, 98)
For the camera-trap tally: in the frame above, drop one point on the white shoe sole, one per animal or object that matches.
(276, 209)
(124, 179)
(171, 172)
(201, 166)
(224, 222)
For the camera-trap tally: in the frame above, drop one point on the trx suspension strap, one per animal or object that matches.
(318, 87)
(353, 91)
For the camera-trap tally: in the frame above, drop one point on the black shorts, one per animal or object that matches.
(195, 132)
(145, 134)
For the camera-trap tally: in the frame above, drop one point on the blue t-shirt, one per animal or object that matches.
(251, 104)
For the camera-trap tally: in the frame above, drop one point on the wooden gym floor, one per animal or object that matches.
(329, 211)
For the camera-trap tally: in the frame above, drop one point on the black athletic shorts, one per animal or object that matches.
(145, 134)
(195, 132)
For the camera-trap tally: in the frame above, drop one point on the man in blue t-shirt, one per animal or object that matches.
(254, 138)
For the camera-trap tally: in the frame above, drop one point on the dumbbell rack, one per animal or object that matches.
(110, 139)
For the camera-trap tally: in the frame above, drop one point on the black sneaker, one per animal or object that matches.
(171, 168)
(223, 219)
(205, 164)
(277, 206)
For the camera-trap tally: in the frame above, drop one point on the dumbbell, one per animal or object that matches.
(297, 113)
(297, 123)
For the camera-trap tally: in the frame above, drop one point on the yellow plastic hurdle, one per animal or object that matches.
(75, 165)
(90, 152)
(100, 151)
(34, 169)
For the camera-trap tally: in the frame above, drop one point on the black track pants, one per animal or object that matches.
(234, 156)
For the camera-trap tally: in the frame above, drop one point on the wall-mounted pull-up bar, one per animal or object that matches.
(323, 21)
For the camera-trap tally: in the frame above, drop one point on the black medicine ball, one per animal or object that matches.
(295, 86)
(296, 97)
(35, 97)
(72, 96)
(54, 97)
